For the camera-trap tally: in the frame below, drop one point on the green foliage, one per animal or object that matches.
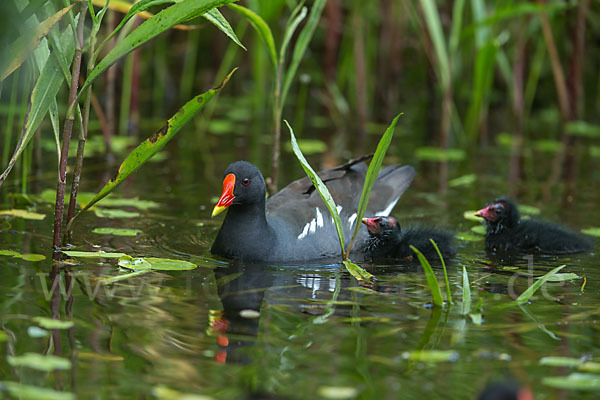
(432, 282)
(40, 362)
(526, 295)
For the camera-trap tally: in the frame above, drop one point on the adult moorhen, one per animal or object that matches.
(388, 241)
(294, 224)
(506, 231)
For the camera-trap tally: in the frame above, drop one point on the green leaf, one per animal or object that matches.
(529, 210)
(156, 142)
(463, 180)
(562, 277)
(357, 272)
(32, 257)
(37, 361)
(49, 323)
(215, 17)
(92, 254)
(434, 25)
(24, 45)
(114, 213)
(574, 381)
(297, 15)
(476, 318)
(466, 304)
(117, 231)
(122, 277)
(20, 391)
(432, 356)
(469, 237)
(157, 264)
(320, 186)
(470, 215)
(337, 392)
(301, 45)
(135, 264)
(438, 154)
(591, 231)
(526, 295)
(561, 361)
(309, 146)
(371, 177)
(261, 28)
(479, 229)
(432, 282)
(23, 214)
(149, 29)
(582, 128)
(484, 73)
(122, 202)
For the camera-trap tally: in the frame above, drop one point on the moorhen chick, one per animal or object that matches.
(506, 231)
(294, 224)
(388, 241)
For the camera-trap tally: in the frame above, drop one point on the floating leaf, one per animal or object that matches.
(526, 295)
(582, 128)
(431, 355)
(115, 213)
(23, 214)
(129, 202)
(470, 215)
(479, 229)
(463, 180)
(26, 257)
(438, 154)
(249, 314)
(8, 253)
(21, 391)
(117, 231)
(40, 362)
(165, 264)
(567, 276)
(561, 361)
(136, 264)
(35, 332)
(468, 237)
(117, 278)
(93, 254)
(591, 231)
(574, 381)
(165, 393)
(357, 272)
(49, 323)
(337, 392)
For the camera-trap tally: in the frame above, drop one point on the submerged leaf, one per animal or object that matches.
(23, 214)
(49, 323)
(40, 362)
(115, 213)
(116, 231)
(526, 295)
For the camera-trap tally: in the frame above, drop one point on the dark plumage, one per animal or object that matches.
(388, 241)
(506, 231)
(294, 224)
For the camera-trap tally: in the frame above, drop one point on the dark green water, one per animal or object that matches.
(295, 332)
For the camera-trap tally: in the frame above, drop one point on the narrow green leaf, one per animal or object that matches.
(92, 254)
(320, 186)
(301, 45)
(371, 177)
(526, 295)
(574, 381)
(40, 362)
(50, 323)
(591, 231)
(156, 142)
(122, 277)
(25, 214)
(151, 28)
(24, 45)
(261, 28)
(455, 31)
(165, 264)
(297, 15)
(117, 231)
(114, 213)
(215, 17)
(484, 73)
(466, 304)
(446, 281)
(434, 25)
(357, 272)
(431, 355)
(432, 282)
(561, 361)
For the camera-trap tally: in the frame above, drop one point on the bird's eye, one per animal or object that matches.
(246, 182)
(499, 210)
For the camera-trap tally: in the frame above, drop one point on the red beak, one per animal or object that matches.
(227, 197)
(484, 213)
(372, 225)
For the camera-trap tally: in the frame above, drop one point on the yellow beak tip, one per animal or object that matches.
(217, 210)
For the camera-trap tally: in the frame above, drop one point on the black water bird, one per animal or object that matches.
(506, 231)
(294, 224)
(388, 241)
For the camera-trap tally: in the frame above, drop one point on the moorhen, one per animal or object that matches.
(506, 231)
(388, 241)
(294, 224)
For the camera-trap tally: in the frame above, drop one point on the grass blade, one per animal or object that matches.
(301, 45)
(319, 185)
(261, 28)
(290, 29)
(357, 272)
(434, 25)
(526, 295)
(151, 28)
(466, 304)
(448, 293)
(434, 286)
(145, 150)
(24, 45)
(215, 17)
(371, 177)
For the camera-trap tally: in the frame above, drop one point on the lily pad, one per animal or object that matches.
(49, 323)
(431, 355)
(469, 237)
(591, 231)
(26, 257)
(21, 391)
(114, 213)
(165, 264)
(574, 381)
(470, 215)
(93, 254)
(134, 202)
(479, 229)
(23, 214)
(135, 264)
(40, 362)
(116, 231)
(463, 180)
(561, 361)
(438, 154)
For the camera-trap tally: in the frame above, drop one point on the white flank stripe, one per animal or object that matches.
(339, 209)
(352, 219)
(304, 231)
(388, 209)
(313, 226)
(319, 218)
